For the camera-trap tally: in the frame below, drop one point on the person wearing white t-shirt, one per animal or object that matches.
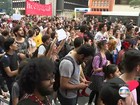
(100, 35)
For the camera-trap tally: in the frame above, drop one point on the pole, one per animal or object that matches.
(75, 13)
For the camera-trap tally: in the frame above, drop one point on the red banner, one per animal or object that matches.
(34, 8)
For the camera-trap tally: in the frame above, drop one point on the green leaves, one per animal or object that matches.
(134, 3)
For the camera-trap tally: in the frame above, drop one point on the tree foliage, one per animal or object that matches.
(134, 3)
(6, 5)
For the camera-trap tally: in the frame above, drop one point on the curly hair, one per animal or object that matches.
(34, 72)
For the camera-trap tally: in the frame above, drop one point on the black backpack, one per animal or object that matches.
(65, 50)
(56, 84)
(88, 67)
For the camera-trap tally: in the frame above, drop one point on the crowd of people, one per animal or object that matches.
(103, 56)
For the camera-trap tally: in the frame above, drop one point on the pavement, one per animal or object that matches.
(81, 100)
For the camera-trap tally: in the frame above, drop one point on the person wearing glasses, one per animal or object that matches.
(36, 80)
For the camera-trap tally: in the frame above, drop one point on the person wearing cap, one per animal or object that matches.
(131, 63)
(117, 92)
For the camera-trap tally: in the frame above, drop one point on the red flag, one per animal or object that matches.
(34, 8)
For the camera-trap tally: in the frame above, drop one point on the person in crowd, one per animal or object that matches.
(130, 31)
(46, 39)
(54, 48)
(69, 85)
(16, 92)
(5, 34)
(3, 89)
(67, 30)
(117, 92)
(49, 31)
(112, 52)
(111, 71)
(83, 29)
(22, 42)
(36, 80)
(2, 52)
(38, 36)
(101, 31)
(131, 67)
(77, 43)
(126, 45)
(9, 63)
(32, 44)
(117, 34)
(71, 38)
(97, 77)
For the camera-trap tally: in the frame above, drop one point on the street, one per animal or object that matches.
(81, 100)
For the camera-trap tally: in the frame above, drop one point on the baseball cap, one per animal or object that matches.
(116, 89)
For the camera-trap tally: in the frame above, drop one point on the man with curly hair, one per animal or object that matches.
(36, 81)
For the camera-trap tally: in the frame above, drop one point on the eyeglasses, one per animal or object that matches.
(50, 78)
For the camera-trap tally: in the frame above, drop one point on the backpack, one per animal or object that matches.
(35, 53)
(56, 84)
(88, 67)
(65, 50)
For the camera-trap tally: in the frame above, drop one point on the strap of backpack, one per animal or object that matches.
(70, 59)
(100, 64)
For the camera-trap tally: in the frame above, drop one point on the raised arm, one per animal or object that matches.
(61, 45)
(51, 46)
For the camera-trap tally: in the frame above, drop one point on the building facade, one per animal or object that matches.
(60, 7)
(66, 7)
(123, 5)
(111, 5)
(19, 5)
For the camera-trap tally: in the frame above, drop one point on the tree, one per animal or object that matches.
(134, 3)
(6, 6)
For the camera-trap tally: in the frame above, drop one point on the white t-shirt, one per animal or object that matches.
(100, 36)
(41, 50)
(134, 92)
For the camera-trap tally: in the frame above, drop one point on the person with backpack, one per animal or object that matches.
(70, 75)
(77, 43)
(97, 76)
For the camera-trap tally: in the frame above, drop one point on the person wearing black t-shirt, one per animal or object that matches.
(9, 63)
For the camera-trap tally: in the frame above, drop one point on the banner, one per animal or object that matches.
(34, 8)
